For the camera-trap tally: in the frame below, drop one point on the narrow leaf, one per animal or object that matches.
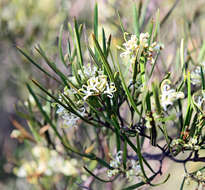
(60, 45)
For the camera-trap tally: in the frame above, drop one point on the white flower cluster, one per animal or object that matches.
(191, 145)
(96, 86)
(69, 118)
(133, 168)
(45, 163)
(134, 171)
(198, 176)
(196, 74)
(88, 71)
(135, 44)
(169, 95)
(16, 134)
(200, 100)
(116, 164)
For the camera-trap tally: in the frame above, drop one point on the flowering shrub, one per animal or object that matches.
(90, 101)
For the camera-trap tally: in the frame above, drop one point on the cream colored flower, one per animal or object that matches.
(169, 95)
(45, 163)
(88, 71)
(196, 74)
(96, 86)
(143, 39)
(134, 45)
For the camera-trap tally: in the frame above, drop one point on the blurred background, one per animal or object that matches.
(26, 23)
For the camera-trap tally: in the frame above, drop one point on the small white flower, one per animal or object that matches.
(200, 99)
(96, 86)
(115, 163)
(144, 39)
(15, 134)
(132, 47)
(69, 118)
(110, 89)
(169, 95)
(196, 74)
(193, 140)
(88, 71)
(21, 172)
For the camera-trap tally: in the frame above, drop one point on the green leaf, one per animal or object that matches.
(188, 88)
(124, 158)
(129, 96)
(103, 41)
(139, 155)
(182, 185)
(150, 31)
(103, 163)
(202, 78)
(143, 13)
(104, 59)
(75, 73)
(135, 20)
(117, 132)
(134, 186)
(96, 177)
(166, 179)
(156, 28)
(69, 49)
(78, 44)
(193, 125)
(121, 25)
(155, 91)
(154, 64)
(169, 13)
(187, 119)
(201, 53)
(44, 113)
(148, 101)
(108, 46)
(95, 59)
(142, 70)
(96, 21)
(52, 65)
(37, 65)
(135, 71)
(182, 57)
(60, 46)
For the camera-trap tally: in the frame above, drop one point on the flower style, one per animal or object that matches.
(96, 86)
(134, 45)
(196, 74)
(169, 95)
